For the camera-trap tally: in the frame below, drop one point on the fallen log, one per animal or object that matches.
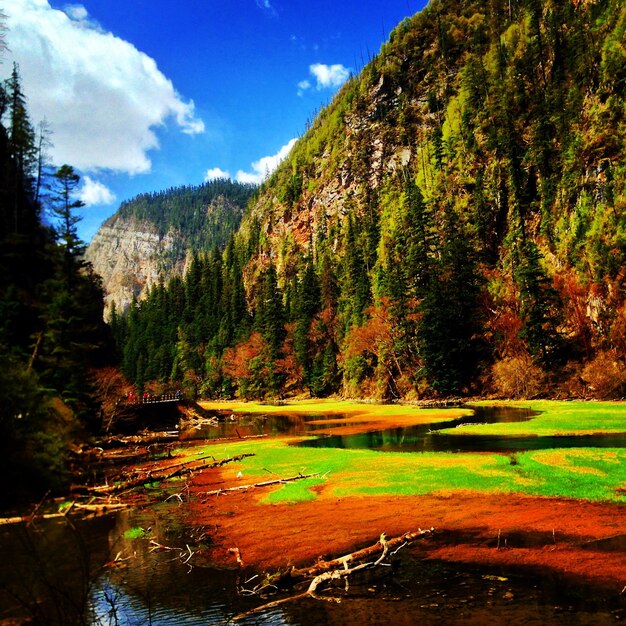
(296, 575)
(5, 521)
(335, 569)
(88, 508)
(155, 475)
(146, 439)
(266, 483)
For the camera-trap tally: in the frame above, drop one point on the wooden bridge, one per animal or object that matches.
(148, 399)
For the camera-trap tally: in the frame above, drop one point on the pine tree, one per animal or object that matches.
(63, 204)
(21, 131)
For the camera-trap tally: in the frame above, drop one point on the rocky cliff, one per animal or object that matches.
(131, 256)
(150, 238)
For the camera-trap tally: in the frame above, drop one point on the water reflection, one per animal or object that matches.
(247, 425)
(95, 573)
(427, 438)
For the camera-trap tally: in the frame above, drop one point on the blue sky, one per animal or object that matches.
(143, 95)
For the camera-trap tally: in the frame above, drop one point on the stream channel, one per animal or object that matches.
(97, 572)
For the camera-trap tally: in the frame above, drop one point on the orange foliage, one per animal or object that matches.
(288, 364)
(517, 377)
(575, 297)
(374, 337)
(605, 375)
(237, 360)
(110, 386)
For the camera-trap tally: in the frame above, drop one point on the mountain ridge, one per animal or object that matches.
(458, 211)
(151, 237)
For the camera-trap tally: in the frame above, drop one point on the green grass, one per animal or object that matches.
(556, 418)
(581, 473)
(339, 407)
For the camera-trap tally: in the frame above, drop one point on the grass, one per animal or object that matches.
(365, 411)
(581, 473)
(556, 418)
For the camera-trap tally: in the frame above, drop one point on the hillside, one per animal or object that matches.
(149, 238)
(452, 223)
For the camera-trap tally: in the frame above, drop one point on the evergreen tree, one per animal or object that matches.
(307, 305)
(539, 304)
(449, 323)
(21, 131)
(63, 206)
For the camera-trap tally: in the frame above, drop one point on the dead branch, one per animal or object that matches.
(5, 521)
(266, 483)
(296, 575)
(336, 569)
(156, 474)
(89, 508)
(238, 438)
(147, 438)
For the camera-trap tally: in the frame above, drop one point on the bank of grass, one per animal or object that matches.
(555, 418)
(589, 474)
(364, 411)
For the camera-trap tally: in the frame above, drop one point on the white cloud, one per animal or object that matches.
(326, 77)
(266, 5)
(303, 85)
(262, 168)
(103, 97)
(215, 173)
(94, 192)
(76, 12)
(329, 76)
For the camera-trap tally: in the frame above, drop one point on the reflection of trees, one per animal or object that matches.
(148, 584)
(48, 568)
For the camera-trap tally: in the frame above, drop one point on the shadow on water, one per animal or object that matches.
(97, 573)
(426, 438)
(246, 425)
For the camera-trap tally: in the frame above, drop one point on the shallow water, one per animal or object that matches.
(427, 438)
(94, 573)
(83, 583)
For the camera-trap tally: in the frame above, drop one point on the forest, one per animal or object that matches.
(452, 224)
(52, 334)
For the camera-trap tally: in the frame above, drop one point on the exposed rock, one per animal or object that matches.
(130, 256)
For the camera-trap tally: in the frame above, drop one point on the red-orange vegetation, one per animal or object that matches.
(545, 533)
(237, 360)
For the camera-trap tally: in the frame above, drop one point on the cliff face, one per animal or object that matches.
(453, 222)
(150, 238)
(131, 256)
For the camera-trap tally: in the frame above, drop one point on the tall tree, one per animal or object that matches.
(63, 203)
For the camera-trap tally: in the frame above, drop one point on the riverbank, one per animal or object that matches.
(560, 510)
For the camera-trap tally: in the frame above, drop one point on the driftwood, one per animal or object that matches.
(266, 483)
(156, 474)
(237, 438)
(296, 575)
(131, 440)
(5, 521)
(88, 508)
(336, 569)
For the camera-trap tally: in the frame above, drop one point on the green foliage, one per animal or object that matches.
(483, 145)
(51, 329)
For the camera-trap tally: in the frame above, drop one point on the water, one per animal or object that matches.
(427, 438)
(90, 573)
(93, 572)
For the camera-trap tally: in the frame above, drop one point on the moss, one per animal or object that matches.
(585, 473)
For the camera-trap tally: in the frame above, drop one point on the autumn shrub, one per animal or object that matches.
(605, 375)
(517, 377)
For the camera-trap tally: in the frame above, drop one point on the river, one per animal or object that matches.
(146, 566)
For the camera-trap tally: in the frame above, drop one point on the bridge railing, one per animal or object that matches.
(150, 399)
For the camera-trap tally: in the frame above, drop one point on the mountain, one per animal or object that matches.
(149, 237)
(452, 223)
